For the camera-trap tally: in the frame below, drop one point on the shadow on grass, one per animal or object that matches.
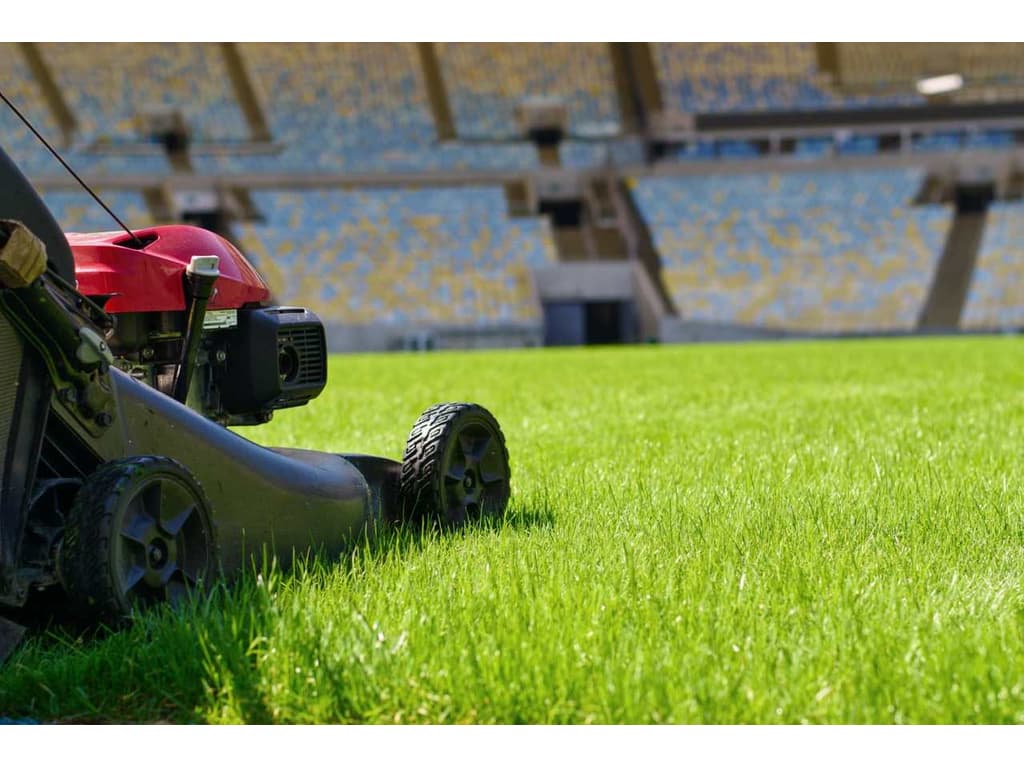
(198, 660)
(516, 517)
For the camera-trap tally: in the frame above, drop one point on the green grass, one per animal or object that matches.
(820, 532)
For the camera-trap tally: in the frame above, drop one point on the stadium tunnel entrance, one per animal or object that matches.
(588, 302)
(974, 197)
(576, 323)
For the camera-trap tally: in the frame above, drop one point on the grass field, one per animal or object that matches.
(819, 532)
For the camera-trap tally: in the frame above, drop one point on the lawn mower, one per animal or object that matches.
(124, 358)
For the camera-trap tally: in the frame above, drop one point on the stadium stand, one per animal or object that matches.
(695, 150)
(989, 140)
(728, 149)
(995, 298)
(992, 72)
(752, 77)
(587, 154)
(78, 212)
(799, 245)
(357, 107)
(428, 256)
(857, 145)
(813, 148)
(953, 141)
(884, 63)
(22, 89)
(940, 141)
(106, 84)
(487, 81)
(809, 251)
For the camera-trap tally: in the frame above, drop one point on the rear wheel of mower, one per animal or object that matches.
(139, 532)
(455, 468)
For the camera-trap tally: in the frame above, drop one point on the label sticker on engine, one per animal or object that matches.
(217, 319)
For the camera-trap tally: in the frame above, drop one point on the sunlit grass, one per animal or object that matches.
(822, 532)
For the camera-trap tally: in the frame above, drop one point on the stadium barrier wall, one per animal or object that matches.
(377, 337)
(674, 330)
(586, 281)
(605, 281)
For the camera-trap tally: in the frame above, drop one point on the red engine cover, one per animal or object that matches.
(150, 279)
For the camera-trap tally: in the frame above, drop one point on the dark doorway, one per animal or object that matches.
(604, 322)
(974, 197)
(563, 324)
(213, 220)
(563, 213)
(546, 137)
(572, 323)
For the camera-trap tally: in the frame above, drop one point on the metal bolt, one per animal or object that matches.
(157, 554)
(220, 356)
(104, 419)
(147, 353)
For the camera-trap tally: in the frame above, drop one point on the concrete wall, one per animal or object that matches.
(375, 337)
(676, 331)
(381, 338)
(586, 281)
(566, 289)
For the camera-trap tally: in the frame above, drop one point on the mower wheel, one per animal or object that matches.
(455, 468)
(140, 531)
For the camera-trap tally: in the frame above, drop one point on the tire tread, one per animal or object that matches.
(421, 482)
(85, 552)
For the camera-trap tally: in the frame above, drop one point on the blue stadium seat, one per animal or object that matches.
(424, 257)
(941, 141)
(353, 107)
(990, 140)
(77, 212)
(824, 251)
(753, 77)
(588, 154)
(106, 84)
(737, 149)
(487, 81)
(857, 145)
(995, 297)
(813, 147)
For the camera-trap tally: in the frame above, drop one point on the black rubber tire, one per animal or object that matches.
(445, 481)
(117, 528)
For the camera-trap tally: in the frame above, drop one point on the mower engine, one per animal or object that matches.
(195, 320)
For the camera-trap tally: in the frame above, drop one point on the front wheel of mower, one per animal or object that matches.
(139, 532)
(455, 468)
